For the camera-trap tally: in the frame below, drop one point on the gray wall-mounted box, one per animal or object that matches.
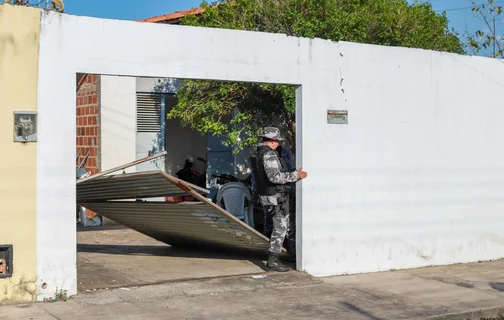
(25, 126)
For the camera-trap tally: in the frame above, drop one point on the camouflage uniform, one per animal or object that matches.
(273, 181)
(277, 206)
(286, 158)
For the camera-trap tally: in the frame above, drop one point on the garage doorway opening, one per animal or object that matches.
(205, 127)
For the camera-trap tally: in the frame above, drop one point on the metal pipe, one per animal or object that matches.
(124, 166)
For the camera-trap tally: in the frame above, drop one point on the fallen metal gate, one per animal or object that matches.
(202, 223)
(134, 186)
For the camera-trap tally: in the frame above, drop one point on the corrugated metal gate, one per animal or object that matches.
(202, 223)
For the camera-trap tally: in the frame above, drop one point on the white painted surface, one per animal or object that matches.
(146, 142)
(130, 49)
(160, 85)
(117, 121)
(121, 143)
(414, 179)
(180, 142)
(56, 228)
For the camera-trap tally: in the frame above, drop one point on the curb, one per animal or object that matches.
(477, 314)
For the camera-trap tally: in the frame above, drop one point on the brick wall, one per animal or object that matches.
(88, 125)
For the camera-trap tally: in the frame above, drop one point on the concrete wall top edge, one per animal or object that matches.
(344, 45)
(214, 48)
(50, 16)
(160, 26)
(208, 44)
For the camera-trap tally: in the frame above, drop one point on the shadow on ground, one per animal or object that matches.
(113, 256)
(355, 309)
(168, 251)
(499, 286)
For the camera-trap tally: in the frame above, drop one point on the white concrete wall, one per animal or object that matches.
(414, 179)
(130, 49)
(117, 121)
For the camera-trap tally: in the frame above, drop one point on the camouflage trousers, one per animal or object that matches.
(268, 223)
(277, 220)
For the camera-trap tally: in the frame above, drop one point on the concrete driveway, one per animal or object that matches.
(115, 256)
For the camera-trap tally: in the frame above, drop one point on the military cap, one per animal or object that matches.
(272, 133)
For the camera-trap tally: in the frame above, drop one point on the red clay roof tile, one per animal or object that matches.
(173, 17)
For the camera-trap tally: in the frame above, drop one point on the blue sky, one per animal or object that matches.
(461, 19)
(127, 9)
(460, 15)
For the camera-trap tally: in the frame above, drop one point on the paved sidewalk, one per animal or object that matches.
(409, 294)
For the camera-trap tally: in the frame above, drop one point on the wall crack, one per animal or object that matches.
(342, 79)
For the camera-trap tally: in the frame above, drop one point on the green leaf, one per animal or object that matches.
(206, 105)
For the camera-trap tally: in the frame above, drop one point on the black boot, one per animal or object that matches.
(275, 263)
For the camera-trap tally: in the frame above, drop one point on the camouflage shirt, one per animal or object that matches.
(273, 167)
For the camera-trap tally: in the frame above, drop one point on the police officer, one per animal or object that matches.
(272, 180)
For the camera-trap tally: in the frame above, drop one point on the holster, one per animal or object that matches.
(283, 204)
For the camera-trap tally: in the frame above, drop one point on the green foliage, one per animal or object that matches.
(207, 105)
(488, 42)
(204, 105)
